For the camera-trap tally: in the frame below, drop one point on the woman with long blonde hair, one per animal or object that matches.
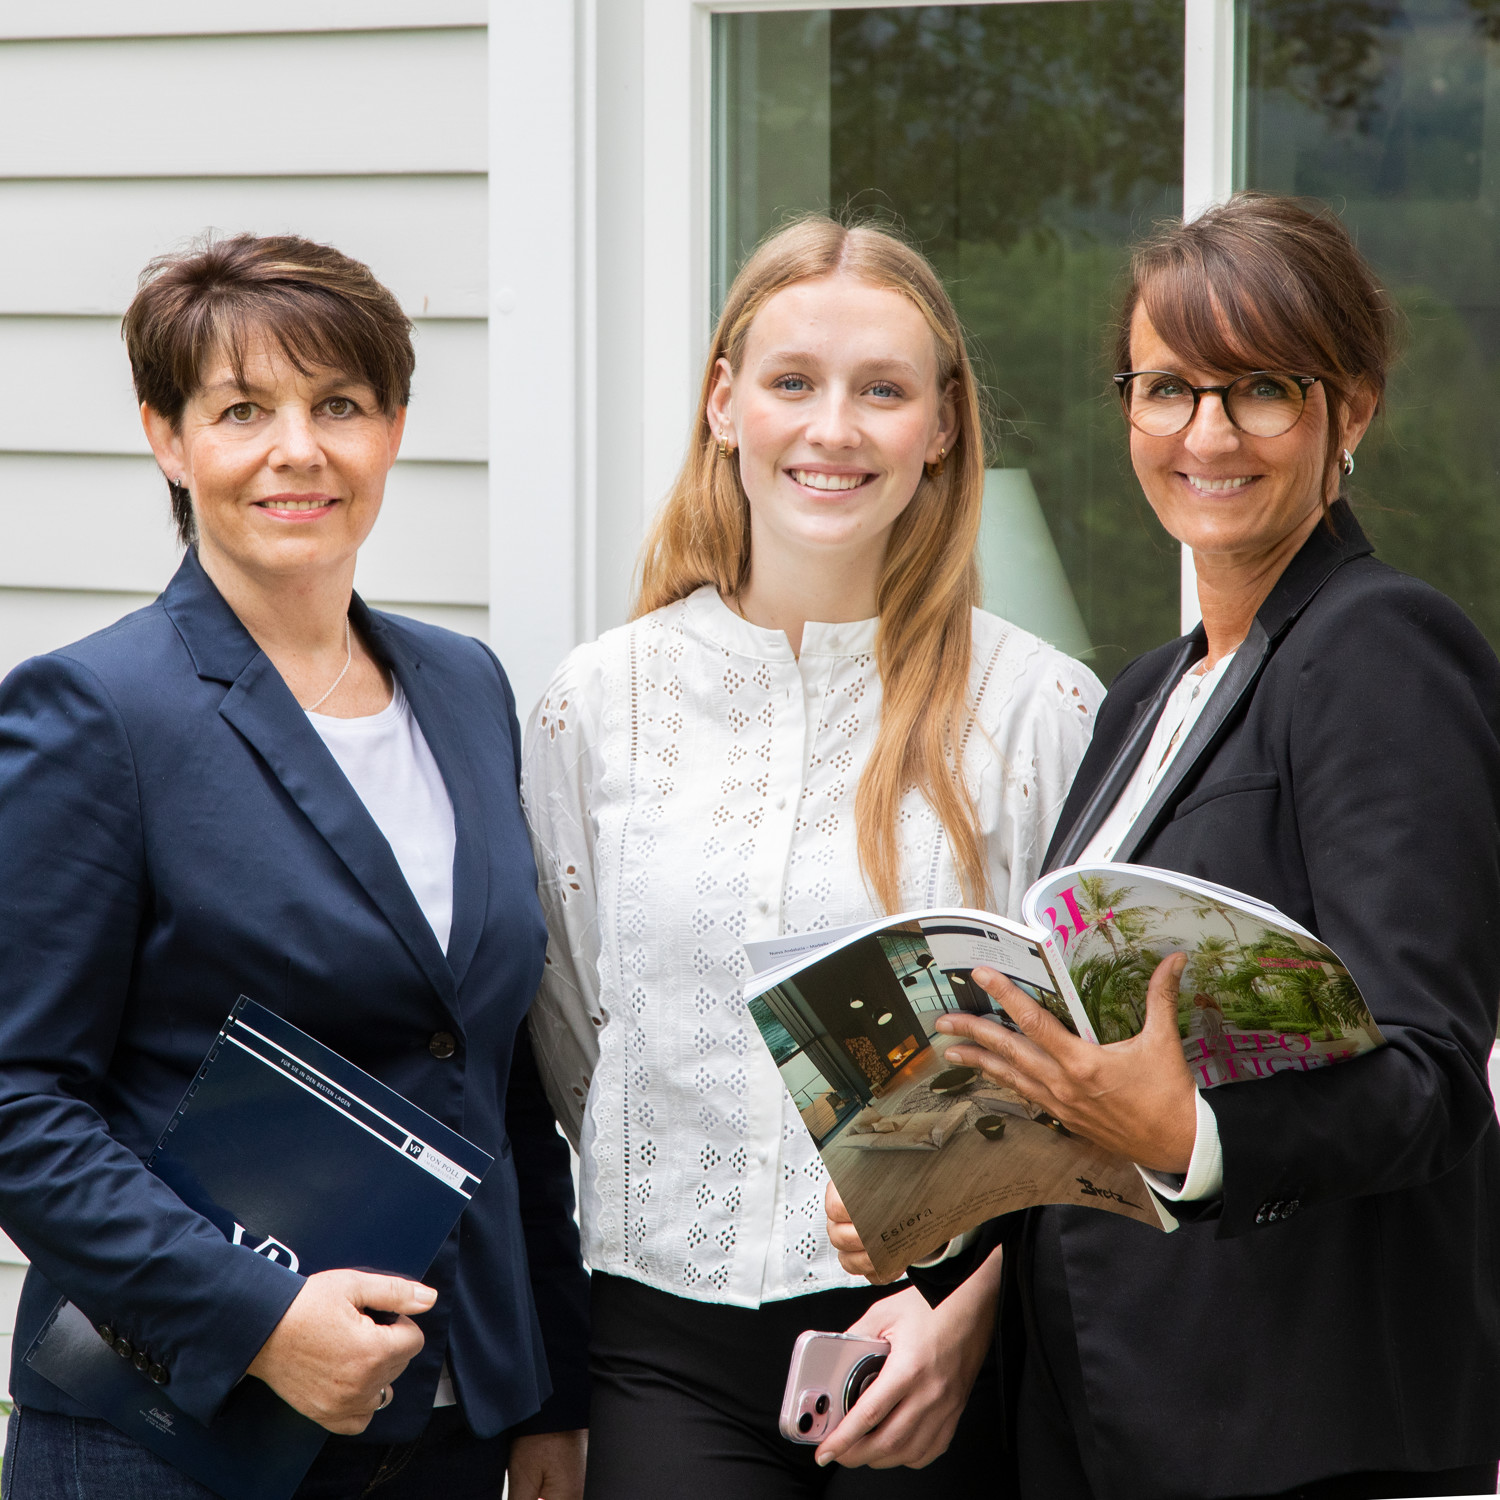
(807, 723)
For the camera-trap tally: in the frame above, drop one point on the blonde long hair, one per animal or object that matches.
(930, 580)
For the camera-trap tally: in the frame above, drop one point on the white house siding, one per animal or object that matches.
(129, 130)
(360, 125)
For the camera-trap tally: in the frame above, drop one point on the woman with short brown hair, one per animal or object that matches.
(259, 785)
(1326, 1321)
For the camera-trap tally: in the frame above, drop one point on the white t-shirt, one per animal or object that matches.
(388, 762)
(1178, 716)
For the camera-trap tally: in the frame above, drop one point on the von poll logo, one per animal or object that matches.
(414, 1147)
(271, 1248)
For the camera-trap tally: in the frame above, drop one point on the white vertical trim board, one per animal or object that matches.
(677, 164)
(586, 197)
(1207, 105)
(534, 399)
(1207, 156)
(612, 159)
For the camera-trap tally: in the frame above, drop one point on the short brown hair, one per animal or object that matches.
(1265, 282)
(324, 309)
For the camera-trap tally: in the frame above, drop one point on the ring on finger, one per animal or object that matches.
(385, 1398)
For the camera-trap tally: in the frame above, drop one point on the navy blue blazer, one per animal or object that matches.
(175, 833)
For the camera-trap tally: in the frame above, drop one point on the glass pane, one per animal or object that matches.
(1021, 146)
(1392, 115)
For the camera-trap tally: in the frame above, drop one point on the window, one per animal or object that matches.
(1391, 113)
(1021, 146)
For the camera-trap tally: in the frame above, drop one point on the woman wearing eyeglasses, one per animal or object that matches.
(1326, 1322)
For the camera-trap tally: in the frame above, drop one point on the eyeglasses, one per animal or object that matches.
(1262, 404)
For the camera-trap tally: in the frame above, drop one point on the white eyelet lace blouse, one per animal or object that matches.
(690, 784)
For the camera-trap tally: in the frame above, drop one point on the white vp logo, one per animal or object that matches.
(271, 1248)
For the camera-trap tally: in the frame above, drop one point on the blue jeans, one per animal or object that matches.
(48, 1457)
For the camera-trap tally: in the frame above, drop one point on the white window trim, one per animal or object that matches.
(1207, 157)
(536, 423)
(584, 443)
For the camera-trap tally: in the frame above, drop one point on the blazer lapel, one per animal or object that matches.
(1239, 677)
(260, 706)
(1118, 773)
(1326, 550)
(471, 870)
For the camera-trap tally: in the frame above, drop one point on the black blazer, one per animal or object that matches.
(1337, 1309)
(174, 833)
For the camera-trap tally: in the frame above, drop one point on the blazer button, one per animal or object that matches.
(142, 1361)
(442, 1045)
(107, 1334)
(124, 1348)
(157, 1374)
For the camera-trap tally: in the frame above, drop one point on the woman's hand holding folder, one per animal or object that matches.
(330, 1359)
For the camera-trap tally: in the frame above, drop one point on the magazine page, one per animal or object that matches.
(768, 954)
(920, 1149)
(1260, 995)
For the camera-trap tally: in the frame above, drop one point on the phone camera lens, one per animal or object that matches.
(822, 1405)
(862, 1377)
(804, 1422)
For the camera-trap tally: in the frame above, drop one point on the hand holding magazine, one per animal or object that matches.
(921, 1150)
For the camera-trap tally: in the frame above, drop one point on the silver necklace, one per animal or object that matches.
(348, 658)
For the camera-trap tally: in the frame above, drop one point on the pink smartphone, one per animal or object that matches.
(829, 1373)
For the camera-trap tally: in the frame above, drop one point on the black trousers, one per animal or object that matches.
(687, 1395)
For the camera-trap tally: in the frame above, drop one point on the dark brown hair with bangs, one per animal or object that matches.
(323, 309)
(1266, 283)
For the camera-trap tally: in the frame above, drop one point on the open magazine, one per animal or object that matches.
(920, 1149)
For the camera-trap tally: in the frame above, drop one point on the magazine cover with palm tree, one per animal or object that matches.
(1260, 995)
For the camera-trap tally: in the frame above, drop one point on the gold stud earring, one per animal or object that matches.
(725, 448)
(934, 470)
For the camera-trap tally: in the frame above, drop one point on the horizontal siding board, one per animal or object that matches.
(65, 388)
(465, 619)
(424, 237)
(34, 621)
(103, 523)
(84, 523)
(109, 18)
(431, 544)
(380, 101)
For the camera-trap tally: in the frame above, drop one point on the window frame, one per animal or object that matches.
(598, 327)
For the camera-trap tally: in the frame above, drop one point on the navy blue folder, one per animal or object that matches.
(294, 1152)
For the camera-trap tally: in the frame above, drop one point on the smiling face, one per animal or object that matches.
(286, 471)
(834, 410)
(1224, 492)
